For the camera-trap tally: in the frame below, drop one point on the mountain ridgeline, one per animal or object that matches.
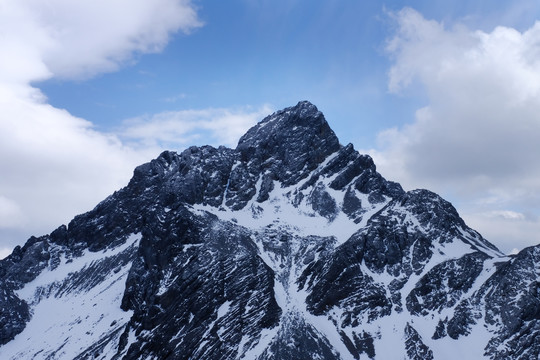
(291, 246)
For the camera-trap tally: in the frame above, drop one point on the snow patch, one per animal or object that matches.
(223, 309)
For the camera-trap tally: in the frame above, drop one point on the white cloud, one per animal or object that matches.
(172, 129)
(477, 138)
(78, 39)
(53, 164)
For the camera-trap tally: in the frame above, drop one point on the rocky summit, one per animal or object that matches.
(291, 246)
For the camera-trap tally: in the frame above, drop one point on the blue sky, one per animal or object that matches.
(267, 52)
(443, 95)
(254, 53)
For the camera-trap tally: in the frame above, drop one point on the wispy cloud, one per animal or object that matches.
(177, 129)
(175, 98)
(505, 214)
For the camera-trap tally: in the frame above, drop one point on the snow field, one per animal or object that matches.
(63, 327)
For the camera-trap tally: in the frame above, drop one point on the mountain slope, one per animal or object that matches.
(290, 246)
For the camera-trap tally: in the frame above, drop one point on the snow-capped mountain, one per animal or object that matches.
(290, 246)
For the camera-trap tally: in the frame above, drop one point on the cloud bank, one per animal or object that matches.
(477, 139)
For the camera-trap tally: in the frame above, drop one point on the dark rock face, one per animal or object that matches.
(15, 314)
(290, 246)
(510, 300)
(187, 307)
(444, 285)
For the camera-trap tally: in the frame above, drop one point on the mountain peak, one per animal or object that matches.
(296, 138)
(290, 246)
(303, 117)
